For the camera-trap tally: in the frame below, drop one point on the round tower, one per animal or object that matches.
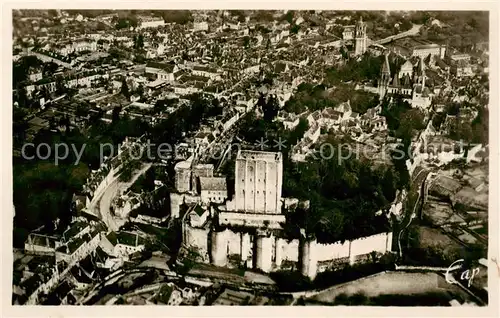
(246, 247)
(183, 176)
(219, 249)
(279, 252)
(309, 261)
(263, 258)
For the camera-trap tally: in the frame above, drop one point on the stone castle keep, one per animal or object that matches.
(258, 177)
(246, 230)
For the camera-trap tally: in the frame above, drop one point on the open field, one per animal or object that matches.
(391, 283)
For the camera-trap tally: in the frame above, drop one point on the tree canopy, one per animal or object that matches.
(42, 195)
(344, 195)
(317, 97)
(175, 16)
(459, 29)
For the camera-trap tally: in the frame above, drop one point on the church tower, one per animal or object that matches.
(361, 40)
(419, 73)
(385, 77)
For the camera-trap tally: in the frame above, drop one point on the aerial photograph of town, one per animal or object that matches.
(250, 157)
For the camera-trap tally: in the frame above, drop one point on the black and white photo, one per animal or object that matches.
(251, 157)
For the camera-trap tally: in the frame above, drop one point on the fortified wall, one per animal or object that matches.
(247, 231)
(267, 252)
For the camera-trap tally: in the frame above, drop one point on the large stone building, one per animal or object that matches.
(424, 51)
(183, 176)
(258, 177)
(246, 229)
(162, 71)
(150, 22)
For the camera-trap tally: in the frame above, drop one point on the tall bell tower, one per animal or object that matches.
(361, 40)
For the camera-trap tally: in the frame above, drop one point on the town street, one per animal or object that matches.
(114, 188)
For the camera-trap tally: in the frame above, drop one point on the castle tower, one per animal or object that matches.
(258, 181)
(263, 257)
(219, 249)
(361, 40)
(183, 176)
(385, 77)
(246, 249)
(309, 260)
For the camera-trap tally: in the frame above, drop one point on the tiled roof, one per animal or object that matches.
(331, 113)
(344, 107)
(42, 240)
(125, 238)
(213, 184)
(279, 67)
(204, 69)
(167, 67)
(316, 115)
(75, 228)
(199, 210)
(426, 46)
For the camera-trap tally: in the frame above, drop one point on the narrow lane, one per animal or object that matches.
(413, 200)
(112, 190)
